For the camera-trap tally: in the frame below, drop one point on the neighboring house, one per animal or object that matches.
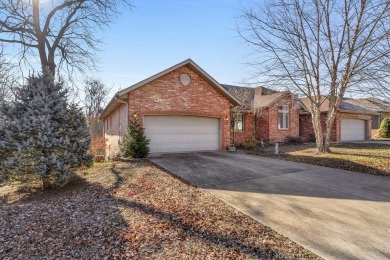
(181, 108)
(381, 107)
(352, 122)
(265, 114)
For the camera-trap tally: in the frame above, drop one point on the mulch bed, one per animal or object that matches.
(131, 210)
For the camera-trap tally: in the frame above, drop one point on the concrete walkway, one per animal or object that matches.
(334, 213)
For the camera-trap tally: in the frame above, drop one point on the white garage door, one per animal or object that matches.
(353, 130)
(182, 133)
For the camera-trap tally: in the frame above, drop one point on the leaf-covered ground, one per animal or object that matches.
(134, 211)
(359, 157)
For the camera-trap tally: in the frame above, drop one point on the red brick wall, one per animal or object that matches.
(247, 134)
(267, 124)
(306, 131)
(262, 129)
(278, 135)
(167, 96)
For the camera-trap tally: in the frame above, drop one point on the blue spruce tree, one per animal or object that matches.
(42, 134)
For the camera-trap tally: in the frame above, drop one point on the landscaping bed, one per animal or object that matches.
(368, 158)
(131, 210)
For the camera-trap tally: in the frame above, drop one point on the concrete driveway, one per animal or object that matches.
(334, 213)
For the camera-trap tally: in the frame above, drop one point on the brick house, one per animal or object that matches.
(184, 109)
(181, 108)
(352, 122)
(267, 115)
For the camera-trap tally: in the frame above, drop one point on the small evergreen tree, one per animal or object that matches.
(384, 129)
(134, 143)
(42, 134)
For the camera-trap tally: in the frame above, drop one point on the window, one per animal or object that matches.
(238, 122)
(283, 117)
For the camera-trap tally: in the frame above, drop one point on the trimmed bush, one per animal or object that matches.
(384, 129)
(249, 144)
(292, 140)
(135, 144)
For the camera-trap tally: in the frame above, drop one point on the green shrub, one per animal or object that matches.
(135, 144)
(384, 129)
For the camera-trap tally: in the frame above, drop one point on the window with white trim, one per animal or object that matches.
(238, 122)
(283, 117)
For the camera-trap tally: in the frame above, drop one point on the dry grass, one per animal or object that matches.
(134, 211)
(363, 157)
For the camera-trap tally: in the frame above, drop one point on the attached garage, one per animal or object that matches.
(182, 133)
(182, 109)
(353, 130)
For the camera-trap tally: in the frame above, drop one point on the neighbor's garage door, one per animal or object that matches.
(353, 130)
(182, 133)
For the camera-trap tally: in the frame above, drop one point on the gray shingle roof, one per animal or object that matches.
(347, 104)
(267, 97)
(373, 104)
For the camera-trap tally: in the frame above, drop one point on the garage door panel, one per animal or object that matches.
(353, 130)
(182, 133)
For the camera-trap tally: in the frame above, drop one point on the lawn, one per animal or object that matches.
(131, 210)
(360, 157)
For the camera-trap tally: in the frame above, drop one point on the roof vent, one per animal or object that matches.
(185, 79)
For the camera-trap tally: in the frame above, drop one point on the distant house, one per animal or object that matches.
(352, 122)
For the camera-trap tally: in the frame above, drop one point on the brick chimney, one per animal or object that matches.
(258, 93)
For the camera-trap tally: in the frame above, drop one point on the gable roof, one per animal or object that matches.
(121, 96)
(267, 97)
(374, 104)
(346, 105)
(324, 104)
(267, 100)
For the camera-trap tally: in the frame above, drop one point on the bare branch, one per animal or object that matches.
(63, 36)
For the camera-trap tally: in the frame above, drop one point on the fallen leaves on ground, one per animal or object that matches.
(134, 211)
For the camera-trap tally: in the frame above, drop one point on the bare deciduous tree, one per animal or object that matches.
(95, 96)
(7, 79)
(321, 48)
(61, 32)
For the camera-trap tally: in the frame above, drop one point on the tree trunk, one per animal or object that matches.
(317, 127)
